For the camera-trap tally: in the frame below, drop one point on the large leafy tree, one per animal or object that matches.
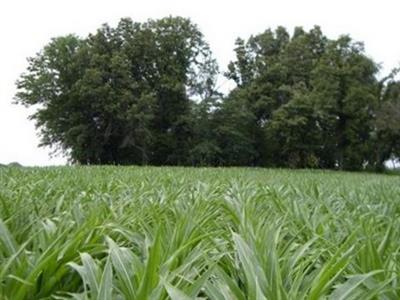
(314, 98)
(123, 94)
(345, 84)
(268, 70)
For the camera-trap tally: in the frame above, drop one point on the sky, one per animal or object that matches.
(27, 26)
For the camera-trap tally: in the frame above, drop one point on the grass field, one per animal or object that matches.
(183, 233)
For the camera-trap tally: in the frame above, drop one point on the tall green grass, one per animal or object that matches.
(182, 233)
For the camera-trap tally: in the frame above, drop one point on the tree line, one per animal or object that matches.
(145, 93)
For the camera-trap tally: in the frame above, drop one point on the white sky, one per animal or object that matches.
(26, 26)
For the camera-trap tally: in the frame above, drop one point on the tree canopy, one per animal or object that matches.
(145, 93)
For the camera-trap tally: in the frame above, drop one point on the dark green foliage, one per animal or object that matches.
(316, 102)
(387, 122)
(144, 93)
(122, 95)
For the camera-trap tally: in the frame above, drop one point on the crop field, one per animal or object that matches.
(184, 233)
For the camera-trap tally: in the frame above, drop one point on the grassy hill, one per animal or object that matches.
(182, 233)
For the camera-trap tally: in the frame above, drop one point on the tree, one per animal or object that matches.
(121, 95)
(268, 70)
(315, 99)
(387, 135)
(205, 149)
(145, 93)
(345, 84)
(296, 134)
(236, 133)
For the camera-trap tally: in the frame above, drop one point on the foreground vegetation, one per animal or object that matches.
(182, 233)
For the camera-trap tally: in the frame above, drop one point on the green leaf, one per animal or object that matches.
(345, 290)
(106, 282)
(175, 293)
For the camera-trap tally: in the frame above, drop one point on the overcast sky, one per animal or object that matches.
(26, 26)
